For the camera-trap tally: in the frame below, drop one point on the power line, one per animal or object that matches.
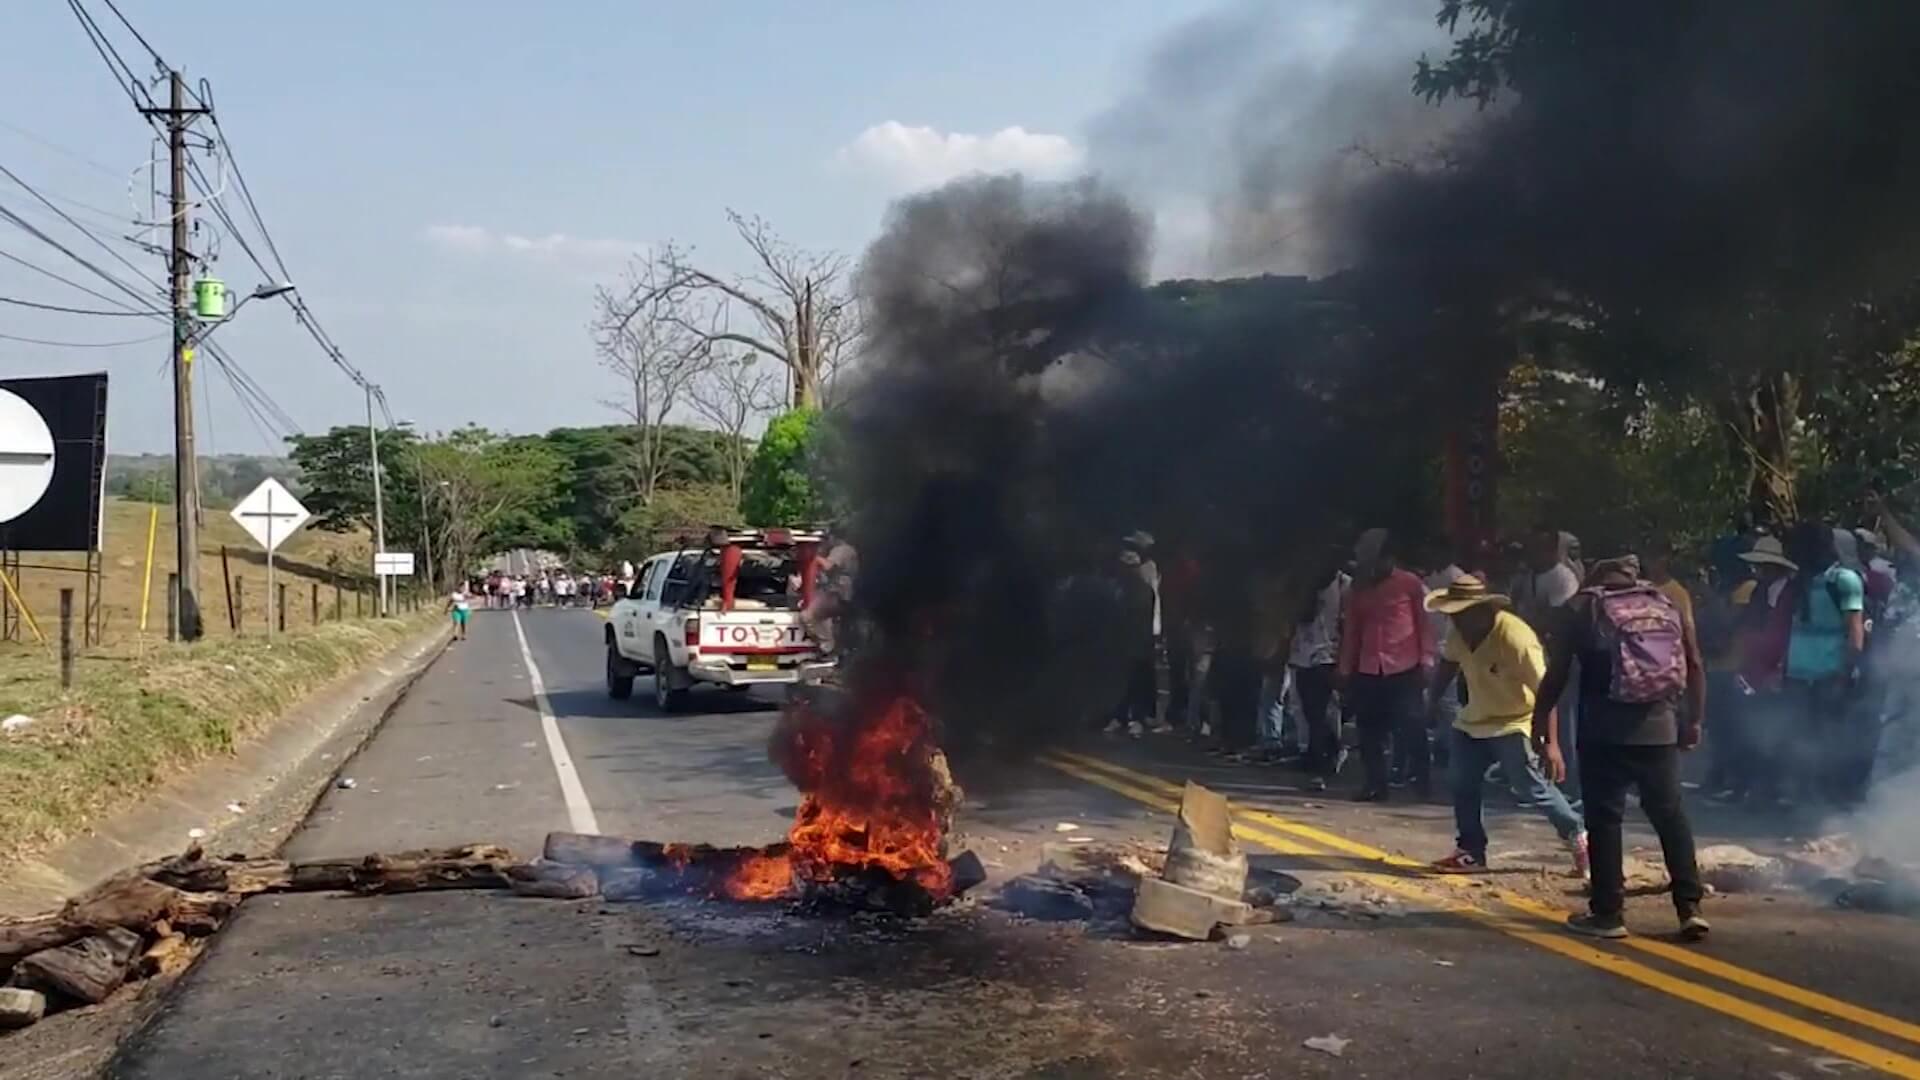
(74, 255)
(154, 312)
(82, 344)
(68, 218)
(67, 310)
(115, 8)
(123, 75)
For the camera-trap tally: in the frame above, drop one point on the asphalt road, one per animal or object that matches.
(1425, 978)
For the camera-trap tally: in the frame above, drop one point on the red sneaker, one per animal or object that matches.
(1461, 862)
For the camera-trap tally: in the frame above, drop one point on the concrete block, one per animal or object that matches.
(20, 1007)
(1167, 908)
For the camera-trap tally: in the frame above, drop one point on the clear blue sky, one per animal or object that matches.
(448, 180)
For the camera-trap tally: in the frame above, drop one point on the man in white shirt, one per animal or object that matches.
(1539, 592)
(1313, 658)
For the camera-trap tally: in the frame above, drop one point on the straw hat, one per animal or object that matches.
(1767, 549)
(1468, 591)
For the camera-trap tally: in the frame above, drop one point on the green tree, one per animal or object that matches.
(150, 487)
(336, 479)
(600, 489)
(675, 513)
(490, 493)
(780, 484)
(1616, 473)
(1660, 187)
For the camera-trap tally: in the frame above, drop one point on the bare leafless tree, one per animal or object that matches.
(648, 333)
(795, 307)
(732, 393)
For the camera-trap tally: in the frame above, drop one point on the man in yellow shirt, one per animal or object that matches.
(1502, 661)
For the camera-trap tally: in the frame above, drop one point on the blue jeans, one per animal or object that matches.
(1471, 757)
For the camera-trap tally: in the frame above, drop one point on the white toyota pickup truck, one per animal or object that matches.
(726, 613)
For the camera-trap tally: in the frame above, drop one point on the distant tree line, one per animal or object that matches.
(224, 478)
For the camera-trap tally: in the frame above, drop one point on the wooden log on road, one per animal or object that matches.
(554, 881)
(130, 901)
(87, 970)
(193, 871)
(470, 866)
(24, 937)
(621, 853)
(137, 902)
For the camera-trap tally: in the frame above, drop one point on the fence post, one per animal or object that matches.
(66, 639)
(173, 606)
(281, 606)
(239, 602)
(336, 598)
(358, 599)
(316, 603)
(233, 617)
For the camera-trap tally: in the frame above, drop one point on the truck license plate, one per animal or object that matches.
(762, 663)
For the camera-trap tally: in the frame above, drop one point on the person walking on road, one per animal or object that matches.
(1141, 578)
(1314, 657)
(1540, 593)
(1385, 647)
(1637, 661)
(1502, 661)
(460, 607)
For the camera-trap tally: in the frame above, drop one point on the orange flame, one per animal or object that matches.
(869, 803)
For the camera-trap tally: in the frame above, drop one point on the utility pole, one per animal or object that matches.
(379, 504)
(186, 473)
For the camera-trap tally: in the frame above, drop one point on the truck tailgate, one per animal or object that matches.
(753, 633)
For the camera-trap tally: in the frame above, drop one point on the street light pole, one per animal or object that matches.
(379, 505)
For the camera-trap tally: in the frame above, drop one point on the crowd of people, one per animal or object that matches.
(1572, 683)
(551, 587)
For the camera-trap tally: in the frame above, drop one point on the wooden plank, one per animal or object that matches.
(87, 970)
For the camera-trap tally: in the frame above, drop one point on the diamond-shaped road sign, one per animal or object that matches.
(270, 513)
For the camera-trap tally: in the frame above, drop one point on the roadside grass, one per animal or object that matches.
(138, 715)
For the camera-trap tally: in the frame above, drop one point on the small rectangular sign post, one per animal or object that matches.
(393, 564)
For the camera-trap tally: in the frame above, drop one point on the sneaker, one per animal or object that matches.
(1160, 727)
(1461, 862)
(1113, 728)
(1694, 926)
(1582, 859)
(1597, 926)
(1317, 783)
(1136, 729)
(1371, 795)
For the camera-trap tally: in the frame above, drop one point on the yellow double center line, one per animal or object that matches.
(1538, 924)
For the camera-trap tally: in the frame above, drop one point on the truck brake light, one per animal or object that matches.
(693, 632)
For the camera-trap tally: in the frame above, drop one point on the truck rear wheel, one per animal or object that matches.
(619, 674)
(666, 696)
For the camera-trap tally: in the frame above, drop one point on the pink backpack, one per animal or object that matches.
(1641, 629)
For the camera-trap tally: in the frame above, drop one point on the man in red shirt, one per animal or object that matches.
(1386, 646)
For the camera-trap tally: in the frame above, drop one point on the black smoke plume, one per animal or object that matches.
(1028, 401)
(1708, 175)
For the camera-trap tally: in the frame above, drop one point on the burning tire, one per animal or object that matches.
(666, 696)
(619, 675)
